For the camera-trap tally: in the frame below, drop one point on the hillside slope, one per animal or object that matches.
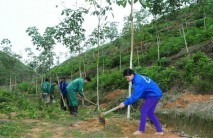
(11, 67)
(175, 69)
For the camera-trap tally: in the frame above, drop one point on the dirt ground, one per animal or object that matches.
(126, 128)
(186, 99)
(115, 127)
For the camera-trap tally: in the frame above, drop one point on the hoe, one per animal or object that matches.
(101, 116)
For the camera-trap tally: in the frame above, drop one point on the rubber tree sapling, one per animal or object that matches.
(101, 13)
(124, 3)
(45, 43)
(70, 31)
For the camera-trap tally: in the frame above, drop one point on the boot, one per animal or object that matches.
(75, 110)
(71, 108)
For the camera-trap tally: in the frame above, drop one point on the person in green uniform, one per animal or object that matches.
(45, 87)
(52, 88)
(72, 88)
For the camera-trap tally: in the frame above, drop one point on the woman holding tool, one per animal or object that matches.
(147, 89)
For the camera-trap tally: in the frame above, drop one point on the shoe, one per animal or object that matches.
(159, 133)
(64, 108)
(71, 108)
(75, 114)
(138, 133)
(75, 110)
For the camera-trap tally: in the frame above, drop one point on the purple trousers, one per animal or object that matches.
(148, 110)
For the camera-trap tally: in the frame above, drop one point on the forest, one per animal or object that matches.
(174, 48)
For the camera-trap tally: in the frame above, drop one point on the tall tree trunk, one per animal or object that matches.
(10, 84)
(84, 65)
(184, 37)
(138, 57)
(158, 44)
(103, 66)
(131, 55)
(204, 19)
(120, 58)
(36, 85)
(99, 20)
(80, 73)
(15, 84)
(103, 62)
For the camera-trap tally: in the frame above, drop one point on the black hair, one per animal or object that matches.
(56, 82)
(87, 78)
(128, 72)
(62, 78)
(46, 79)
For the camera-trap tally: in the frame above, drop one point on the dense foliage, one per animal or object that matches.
(11, 67)
(176, 67)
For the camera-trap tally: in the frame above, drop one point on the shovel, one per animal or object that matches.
(89, 102)
(101, 116)
(92, 103)
(65, 106)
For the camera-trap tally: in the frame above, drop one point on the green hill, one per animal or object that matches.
(176, 69)
(14, 69)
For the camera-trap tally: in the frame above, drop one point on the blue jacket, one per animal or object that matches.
(62, 87)
(143, 87)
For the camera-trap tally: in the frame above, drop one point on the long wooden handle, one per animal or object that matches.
(86, 99)
(89, 101)
(61, 92)
(111, 110)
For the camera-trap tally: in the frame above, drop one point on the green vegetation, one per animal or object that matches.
(175, 65)
(175, 50)
(12, 67)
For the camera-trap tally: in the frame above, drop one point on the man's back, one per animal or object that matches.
(45, 87)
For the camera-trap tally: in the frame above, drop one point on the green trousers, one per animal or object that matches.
(72, 98)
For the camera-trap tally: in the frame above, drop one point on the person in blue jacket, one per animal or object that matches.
(62, 86)
(144, 88)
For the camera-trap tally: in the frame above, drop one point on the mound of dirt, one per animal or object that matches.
(186, 99)
(122, 128)
(113, 95)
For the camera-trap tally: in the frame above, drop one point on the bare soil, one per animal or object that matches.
(186, 99)
(115, 127)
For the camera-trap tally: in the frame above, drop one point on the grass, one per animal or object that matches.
(13, 128)
(50, 118)
(46, 133)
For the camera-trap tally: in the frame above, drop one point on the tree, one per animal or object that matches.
(156, 8)
(9, 62)
(123, 3)
(111, 31)
(6, 46)
(45, 43)
(70, 31)
(101, 13)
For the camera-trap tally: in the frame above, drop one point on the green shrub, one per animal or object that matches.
(163, 76)
(199, 23)
(24, 86)
(108, 81)
(164, 61)
(197, 71)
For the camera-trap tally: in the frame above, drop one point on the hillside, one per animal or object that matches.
(173, 68)
(10, 67)
(183, 67)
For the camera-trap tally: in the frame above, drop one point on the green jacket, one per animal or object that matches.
(76, 85)
(52, 88)
(45, 87)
